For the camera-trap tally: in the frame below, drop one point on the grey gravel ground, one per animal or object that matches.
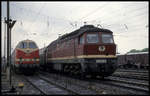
(16, 79)
(46, 87)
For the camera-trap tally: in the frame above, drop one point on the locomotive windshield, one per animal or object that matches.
(92, 38)
(32, 45)
(107, 38)
(23, 45)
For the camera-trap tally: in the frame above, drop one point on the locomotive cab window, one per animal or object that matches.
(23, 45)
(92, 38)
(81, 39)
(107, 38)
(32, 45)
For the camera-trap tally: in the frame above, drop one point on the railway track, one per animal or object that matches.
(70, 84)
(104, 86)
(46, 87)
(135, 74)
(135, 71)
(132, 89)
(130, 81)
(35, 86)
(136, 86)
(43, 84)
(131, 75)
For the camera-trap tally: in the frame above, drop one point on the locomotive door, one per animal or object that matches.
(81, 41)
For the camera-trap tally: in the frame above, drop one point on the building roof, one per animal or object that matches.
(134, 53)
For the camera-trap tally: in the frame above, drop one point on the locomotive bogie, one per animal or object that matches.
(90, 66)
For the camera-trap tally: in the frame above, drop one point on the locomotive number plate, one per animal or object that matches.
(101, 61)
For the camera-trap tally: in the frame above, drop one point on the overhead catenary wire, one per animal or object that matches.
(131, 11)
(123, 19)
(42, 15)
(125, 22)
(30, 26)
(29, 11)
(92, 14)
(139, 8)
(112, 17)
(66, 29)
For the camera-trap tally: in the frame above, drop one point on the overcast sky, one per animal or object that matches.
(43, 21)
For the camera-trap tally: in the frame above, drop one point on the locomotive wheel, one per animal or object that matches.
(71, 71)
(102, 77)
(65, 68)
(82, 74)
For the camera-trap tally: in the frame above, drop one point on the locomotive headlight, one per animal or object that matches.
(20, 59)
(34, 59)
(101, 61)
(37, 59)
(101, 48)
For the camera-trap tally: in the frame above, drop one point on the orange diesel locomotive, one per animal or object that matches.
(25, 57)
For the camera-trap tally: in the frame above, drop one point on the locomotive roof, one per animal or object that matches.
(134, 53)
(24, 41)
(81, 30)
(27, 40)
(85, 28)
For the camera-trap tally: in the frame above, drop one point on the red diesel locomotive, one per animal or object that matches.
(87, 51)
(25, 57)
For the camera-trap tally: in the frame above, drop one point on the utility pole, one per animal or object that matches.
(5, 46)
(10, 24)
(43, 54)
(8, 68)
